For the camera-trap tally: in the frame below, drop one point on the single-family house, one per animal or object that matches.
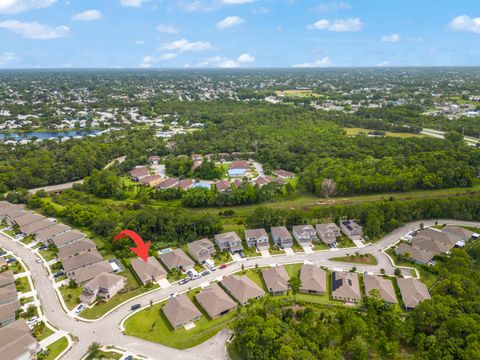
(229, 241)
(176, 259)
(458, 233)
(313, 280)
(351, 229)
(83, 274)
(238, 168)
(154, 159)
(328, 233)
(150, 180)
(241, 288)
(185, 184)
(420, 256)
(261, 181)
(180, 311)
(257, 238)
(88, 258)
(304, 234)
(382, 285)
(201, 250)
(103, 286)
(79, 247)
(17, 342)
(138, 173)
(168, 183)
(149, 271)
(276, 280)
(283, 174)
(45, 235)
(215, 301)
(66, 238)
(434, 241)
(281, 236)
(345, 286)
(413, 292)
(223, 185)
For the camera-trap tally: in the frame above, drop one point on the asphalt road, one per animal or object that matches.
(107, 330)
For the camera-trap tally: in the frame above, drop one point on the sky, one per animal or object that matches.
(238, 33)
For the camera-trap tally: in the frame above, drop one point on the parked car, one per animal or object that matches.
(43, 247)
(2, 252)
(129, 357)
(205, 273)
(79, 309)
(58, 274)
(32, 320)
(172, 295)
(184, 281)
(135, 307)
(11, 260)
(223, 266)
(38, 261)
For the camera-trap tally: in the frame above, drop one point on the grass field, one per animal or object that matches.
(41, 331)
(356, 131)
(297, 93)
(425, 276)
(55, 349)
(366, 259)
(22, 284)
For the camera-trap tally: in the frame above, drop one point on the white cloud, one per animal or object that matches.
(184, 45)
(325, 62)
(148, 61)
(140, 42)
(246, 58)
(237, 1)
(333, 6)
(229, 22)
(16, 6)
(465, 23)
(132, 3)
(35, 30)
(167, 56)
(383, 63)
(6, 58)
(88, 15)
(167, 29)
(338, 25)
(390, 38)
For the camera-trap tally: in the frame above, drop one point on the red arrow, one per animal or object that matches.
(142, 247)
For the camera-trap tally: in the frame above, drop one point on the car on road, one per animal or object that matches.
(32, 320)
(135, 307)
(58, 274)
(79, 309)
(38, 261)
(205, 273)
(172, 295)
(223, 266)
(184, 281)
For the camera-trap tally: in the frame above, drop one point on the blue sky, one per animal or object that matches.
(238, 33)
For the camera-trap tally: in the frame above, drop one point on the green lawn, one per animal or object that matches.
(150, 324)
(221, 257)
(366, 259)
(27, 240)
(54, 349)
(71, 296)
(426, 277)
(133, 289)
(49, 254)
(24, 301)
(356, 131)
(22, 284)
(41, 331)
(16, 267)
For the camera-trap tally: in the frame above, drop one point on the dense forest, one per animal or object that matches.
(445, 327)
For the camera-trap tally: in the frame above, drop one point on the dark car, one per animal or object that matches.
(43, 247)
(184, 281)
(58, 274)
(223, 266)
(129, 357)
(2, 252)
(11, 260)
(135, 307)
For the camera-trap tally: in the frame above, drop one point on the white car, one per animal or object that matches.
(79, 309)
(33, 320)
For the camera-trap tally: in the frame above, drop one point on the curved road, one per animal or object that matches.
(107, 331)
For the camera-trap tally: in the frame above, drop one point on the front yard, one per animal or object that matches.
(54, 349)
(22, 284)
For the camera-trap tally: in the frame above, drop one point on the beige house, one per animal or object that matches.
(104, 286)
(313, 280)
(46, 234)
(36, 226)
(66, 238)
(86, 273)
(176, 259)
(9, 303)
(345, 286)
(351, 229)
(328, 233)
(413, 292)
(150, 271)
(304, 234)
(257, 238)
(201, 250)
(79, 261)
(77, 248)
(276, 280)
(420, 256)
(384, 287)
(241, 288)
(17, 342)
(215, 301)
(281, 236)
(229, 241)
(180, 311)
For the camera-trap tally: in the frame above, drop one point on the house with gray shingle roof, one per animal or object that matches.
(313, 280)
(201, 250)
(281, 236)
(242, 288)
(149, 271)
(180, 311)
(384, 287)
(413, 292)
(345, 286)
(176, 259)
(215, 301)
(229, 241)
(276, 280)
(257, 238)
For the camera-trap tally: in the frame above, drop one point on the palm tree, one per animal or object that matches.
(93, 350)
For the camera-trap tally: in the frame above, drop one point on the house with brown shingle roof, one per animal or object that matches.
(281, 236)
(176, 259)
(328, 233)
(201, 250)
(223, 185)
(304, 234)
(180, 311)
(28, 218)
(458, 233)
(238, 168)
(66, 238)
(345, 286)
(17, 342)
(104, 286)
(138, 173)
(83, 274)
(79, 247)
(36, 226)
(46, 234)
(241, 288)
(276, 280)
(384, 287)
(215, 301)
(9, 303)
(229, 241)
(168, 183)
(313, 280)
(257, 238)
(261, 181)
(185, 184)
(149, 271)
(418, 255)
(72, 263)
(150, 180)
(413, 292)
(14, 213)
(284, 174)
